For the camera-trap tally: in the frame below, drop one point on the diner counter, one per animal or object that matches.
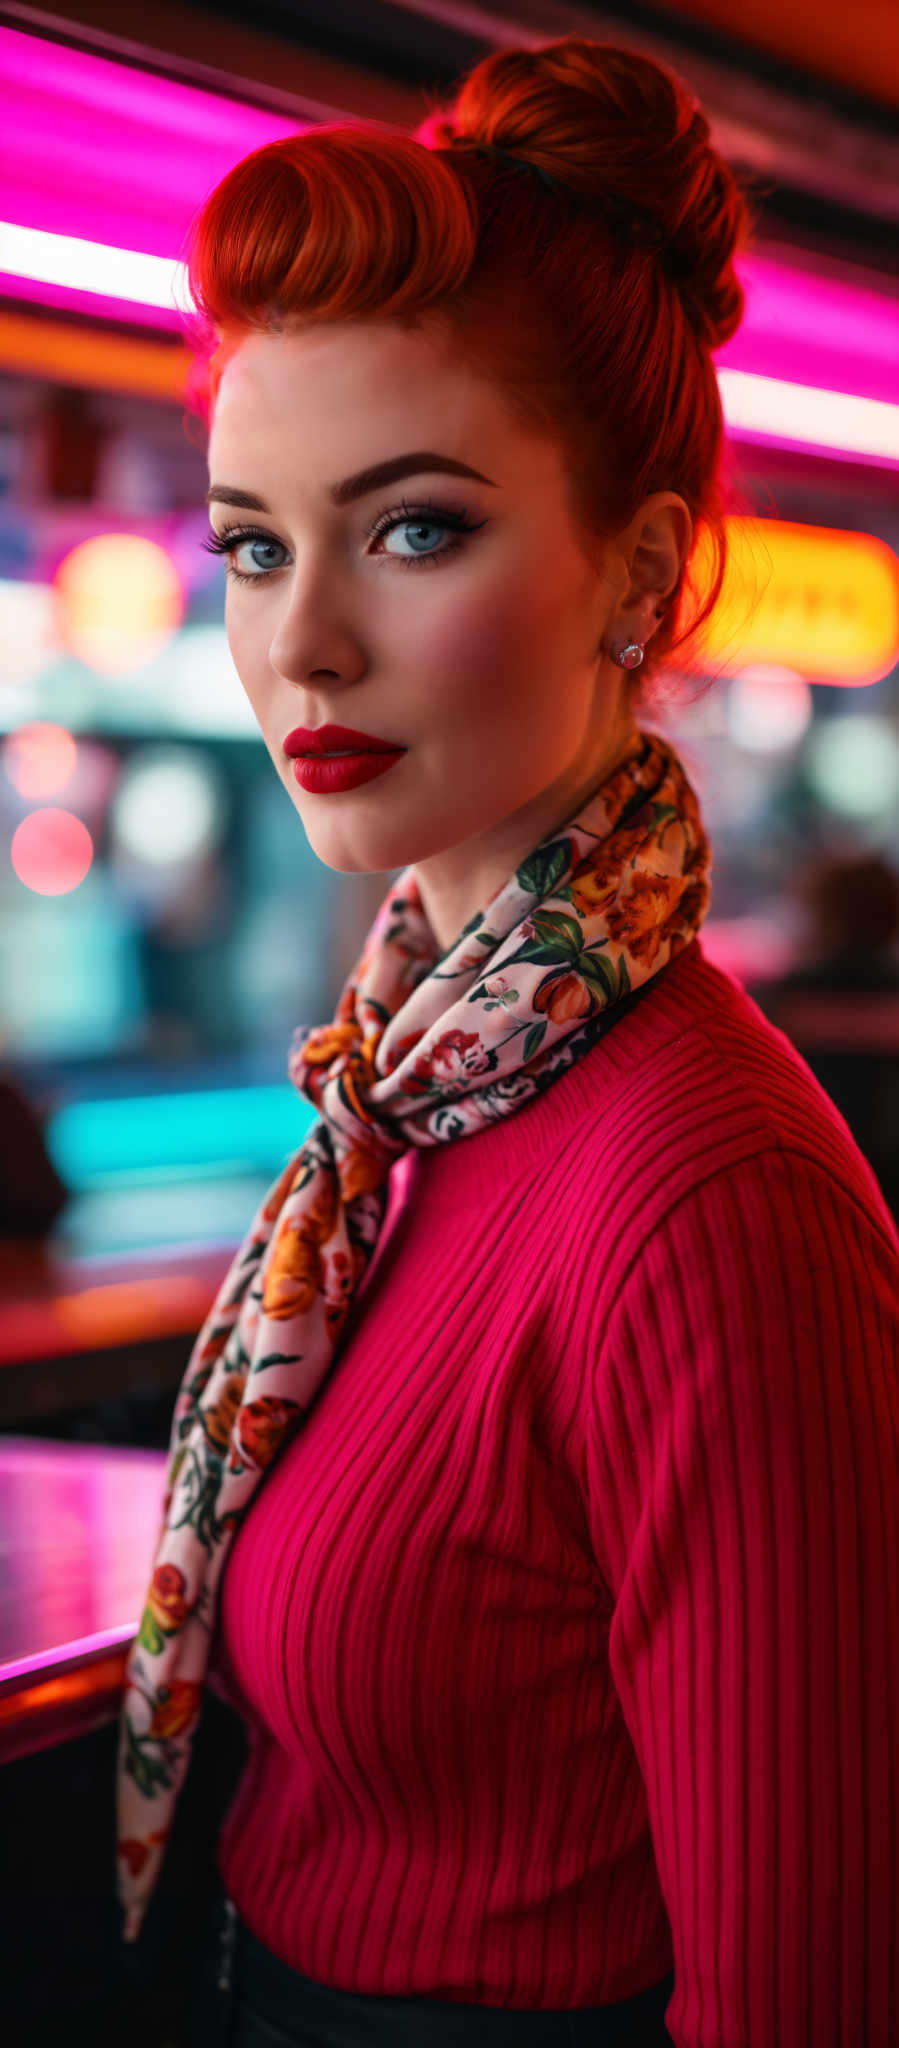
(78, 1327)
(54, 1305)
(78, 1530)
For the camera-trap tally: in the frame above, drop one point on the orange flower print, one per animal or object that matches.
(355, 1078)
(178, 1708)
(262, 1426)
(167, 1598)
(293, 1276)
(594, 885)
(279, 1194)
(369, 1047)
(320, 1217)
(218, 1418)
(618, 789)
(639, 921)
(691, 908)
(563, 996)
(327, 1041)
(362, 1171)
(596, 880)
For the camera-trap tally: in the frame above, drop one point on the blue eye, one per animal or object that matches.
(234, 537)
(445, 518)
(442, 518)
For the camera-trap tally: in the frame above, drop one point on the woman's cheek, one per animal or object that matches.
(483, 637)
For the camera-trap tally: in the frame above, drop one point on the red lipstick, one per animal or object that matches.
(334, 739)
(335, 757)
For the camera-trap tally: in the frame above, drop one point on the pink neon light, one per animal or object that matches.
(164, 146)
(156, 318)
(786, 442)
(811, 329)
(103, 150)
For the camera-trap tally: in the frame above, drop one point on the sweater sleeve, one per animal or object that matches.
(743, 1483)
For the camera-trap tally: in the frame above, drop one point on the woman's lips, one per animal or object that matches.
(336, 739)
(325, 774)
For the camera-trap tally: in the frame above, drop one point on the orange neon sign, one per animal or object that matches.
(809, 598)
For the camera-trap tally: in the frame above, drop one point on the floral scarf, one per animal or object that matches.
(422, 1050)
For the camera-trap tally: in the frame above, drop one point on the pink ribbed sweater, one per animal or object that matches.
(567, 1628)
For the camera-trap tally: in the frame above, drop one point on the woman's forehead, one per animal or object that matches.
(327, 404)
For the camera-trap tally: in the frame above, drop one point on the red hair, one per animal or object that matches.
(594, 307)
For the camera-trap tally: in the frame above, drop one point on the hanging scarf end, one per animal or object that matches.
(133, 1923)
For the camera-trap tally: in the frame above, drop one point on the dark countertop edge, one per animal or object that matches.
(59, 1707)
(46, 1667)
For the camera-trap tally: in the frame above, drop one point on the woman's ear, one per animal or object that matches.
(655, 546)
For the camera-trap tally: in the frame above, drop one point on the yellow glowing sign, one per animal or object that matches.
(810, 598)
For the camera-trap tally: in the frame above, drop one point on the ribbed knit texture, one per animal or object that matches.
(567, 1628)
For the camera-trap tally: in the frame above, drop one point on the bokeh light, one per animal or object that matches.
(51, 852)
(853, 765)
(119, 601)
(29, 637)
(39, 759)
(170, 807)
(769, 709)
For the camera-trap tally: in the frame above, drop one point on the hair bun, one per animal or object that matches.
(623, 133)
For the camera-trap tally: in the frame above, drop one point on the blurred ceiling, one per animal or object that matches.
(800, 94)
(855, 46)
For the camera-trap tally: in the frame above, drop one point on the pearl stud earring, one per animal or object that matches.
(629, 656)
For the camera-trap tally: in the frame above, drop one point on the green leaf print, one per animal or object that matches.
(597, 971)
(540, 872)
(532, 1041)
(558, 942)
(150, 1635)
(239, 1360)
(554, 928)
(202, 1491)
(278, 1358)
(177, 1463)
(149, 1771)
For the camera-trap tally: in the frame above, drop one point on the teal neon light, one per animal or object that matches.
(234, 1130)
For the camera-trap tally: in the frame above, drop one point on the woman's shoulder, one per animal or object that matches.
(701, 1043)
(706, 1089)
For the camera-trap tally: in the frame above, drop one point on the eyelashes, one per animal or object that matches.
(452, 518)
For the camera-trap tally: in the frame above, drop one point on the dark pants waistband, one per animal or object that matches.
(249, 1998)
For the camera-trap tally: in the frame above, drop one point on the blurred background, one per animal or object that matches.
(163, 924)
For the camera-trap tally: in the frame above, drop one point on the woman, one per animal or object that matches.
(566, 1345)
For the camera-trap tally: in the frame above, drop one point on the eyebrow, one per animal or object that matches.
(365, 480)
